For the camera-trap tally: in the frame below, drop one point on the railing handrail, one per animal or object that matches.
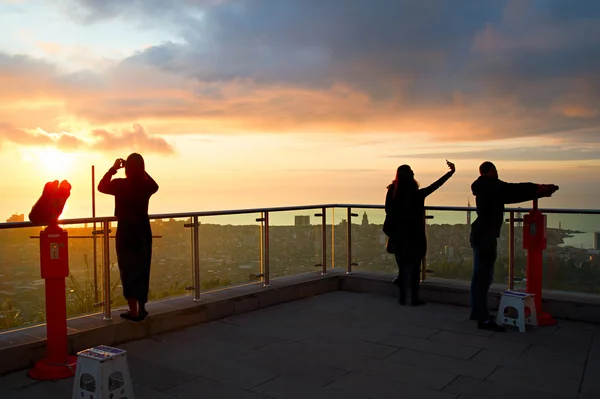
(180, 215)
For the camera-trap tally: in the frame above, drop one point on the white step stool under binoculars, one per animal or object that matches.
(519, 301)
(102, 373)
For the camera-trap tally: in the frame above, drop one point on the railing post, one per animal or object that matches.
(511, 251)
(266, 255)
(424, 260)
(349, 242)
(196, 245)
(106, 277)
(323, 263)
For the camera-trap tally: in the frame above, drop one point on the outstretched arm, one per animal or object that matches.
(512, 193)
(440, 182)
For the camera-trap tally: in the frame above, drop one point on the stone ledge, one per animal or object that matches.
(560, 304)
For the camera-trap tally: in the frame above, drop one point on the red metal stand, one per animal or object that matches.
(54, 257)
(534, 240)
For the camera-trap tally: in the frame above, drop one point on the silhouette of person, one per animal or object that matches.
(491, 194)
(134, 234)
(405, 212)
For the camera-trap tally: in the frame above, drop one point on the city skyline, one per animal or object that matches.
(247, 104)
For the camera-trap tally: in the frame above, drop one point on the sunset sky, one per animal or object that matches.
(257, 103)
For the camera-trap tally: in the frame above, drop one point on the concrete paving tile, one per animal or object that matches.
(308, 371)
(519, 362)
(15, 381)
(206, 388)
(156, 375)
(387, 370)
(556, 355)
(535, 380)
(351, 346)
(472, 388)
(378, 388)
(46, 390)
(479, 342)
(427, 361)
(300, 350)
(221, 332)
(290, 388)
(430, 346)
(145, 392)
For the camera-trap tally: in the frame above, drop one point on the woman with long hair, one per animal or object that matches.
(405, 212)
(134, 234)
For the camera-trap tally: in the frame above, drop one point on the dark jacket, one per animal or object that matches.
(405, 218)
(491, 194)
(131, 195)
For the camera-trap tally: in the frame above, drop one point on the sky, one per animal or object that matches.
(260, 103)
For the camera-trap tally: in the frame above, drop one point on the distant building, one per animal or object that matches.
(302, 220)
(469, 212)
(365, 219)
(597, 240)
(16, 218)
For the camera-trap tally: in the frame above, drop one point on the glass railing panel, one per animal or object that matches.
(337, 237)
(22, 293)
(84, 284)
(571, 261)
(449, 253)
(295, 241)
(171, 270)
(369, 241)
(229, 250)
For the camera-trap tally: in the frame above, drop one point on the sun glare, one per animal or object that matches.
(54, 164)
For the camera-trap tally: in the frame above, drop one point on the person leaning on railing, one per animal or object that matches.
(404, 225)
(134, 234)
(491, 194)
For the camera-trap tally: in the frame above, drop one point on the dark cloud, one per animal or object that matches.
(461, 69)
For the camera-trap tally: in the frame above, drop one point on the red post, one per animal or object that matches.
(54, 260)
(534, 240)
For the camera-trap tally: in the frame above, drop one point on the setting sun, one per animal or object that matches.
(55, 164)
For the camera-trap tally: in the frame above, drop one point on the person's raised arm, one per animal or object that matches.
(106, 184)
(440, 182)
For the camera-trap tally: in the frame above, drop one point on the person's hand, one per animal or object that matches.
(546, 190)
(119, 163)
(451, 166)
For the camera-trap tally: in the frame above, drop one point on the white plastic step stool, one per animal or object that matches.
(518, 301)
(102, 373)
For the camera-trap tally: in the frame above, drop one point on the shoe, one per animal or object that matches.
(128, 316)
(417, 302)
(490, 325)
(143, 314)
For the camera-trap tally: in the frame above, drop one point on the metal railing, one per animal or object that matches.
(264, 238)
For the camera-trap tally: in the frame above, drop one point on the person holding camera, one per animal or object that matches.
(404, 225)
(134, 235)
